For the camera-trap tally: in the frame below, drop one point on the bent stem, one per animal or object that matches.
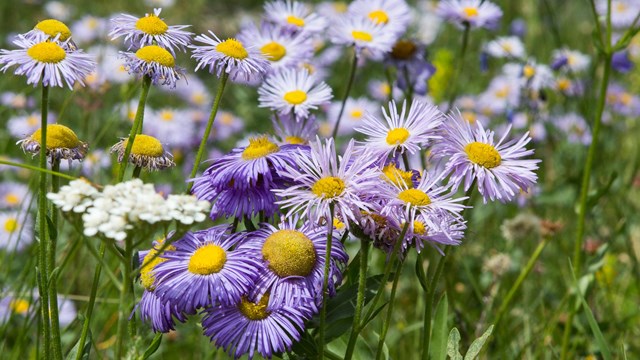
(456, 75)
(387, 320)
(325, 282)
(352, 75)
(207, 131)
(362, 279)
(136, 127)
(53, 291)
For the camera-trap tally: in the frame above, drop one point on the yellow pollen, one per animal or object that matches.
(289, 253)
(529, 71)
(328, 187)
(378, 219)
(274, 51)
(414, 197)
(626, 98)
(507, 47)
(47, 52)
(154, 53)
(621, 7)
(166, 115)
(208, 259)
(259, 147)
(470, 116)
(470, 11)
(11, 225)
(502, 92)
(310, 68)
(361, 35)
(397, 136)
(356, 113)
(564, 84)
(403, 49)
(419, 228)
(232, 48)
(58, 136)
(379, 17)
(145, 145)
(294, 20)
(340, 7)
(398, 177)
(11, 199)
(32, 120)
(122, 68)
(295, 140)
(227, 119)
(19, 306)
(483, 154)
(295, 97)
(255, 311)
(198, 98)
(152, 25)
(385, 88)
(337, 224)
(54, 27)
(147, 277)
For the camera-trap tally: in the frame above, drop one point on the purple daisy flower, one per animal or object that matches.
(203, 271)
(475, 13)
(294, 258)
(249, 327)
(237, 202)
(499, 168)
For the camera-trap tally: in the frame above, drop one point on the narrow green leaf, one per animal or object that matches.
(73, 354)
(53, 232)
(453, 345)
(477, 344)
(439, 333)
(422, 277)
(54, 275)
(153, 347)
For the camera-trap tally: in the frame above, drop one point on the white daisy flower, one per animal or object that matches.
(373, 39)
(572, 60)
(171, 126)
(355, 110)
(24, 125)
(16, 230)
(13, 195)
(395, 13)
(88, 29)
(294, 16)
(506, 47)
(475, 13)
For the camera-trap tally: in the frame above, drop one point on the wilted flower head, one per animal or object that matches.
(62, 143)
(155, 62)
(146, 152)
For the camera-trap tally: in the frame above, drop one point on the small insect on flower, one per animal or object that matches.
(62, 143)
(146, 152)
(155, 62)
(150, 30)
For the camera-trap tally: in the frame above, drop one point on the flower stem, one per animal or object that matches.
(136, 127)
(51, 255)
(136, 172)
(352, 76)
(43, 284)
(325, 282)
(125, 307)
(362, 279)
(387, 319)
(456, 75)
(35, 168)
(428, 306)
(207, 131)
(92, 301)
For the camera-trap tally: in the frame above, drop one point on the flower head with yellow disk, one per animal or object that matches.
(52, 29)
(294, 16)
(153, 61)
(394, 13)
(369, 38)
(62, 144)
(147, 152)
(16, 230)
(473, 13)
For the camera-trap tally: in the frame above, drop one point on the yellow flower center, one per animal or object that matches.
(337, 224)
(356, 113)
(33, 120)
(328, 187)
(502, 92)
(259, 147)
(361, 35)
(403, 49)
(564, 84)
(255, 311)
(11, 199)
(340, 7)
(145, 145)
(54, 27)
(378, 219)
(470, 116)
(147, 277)
(310, 68)
(414, 197)
(19, 306)
(289, 253)
(379, 17)
(11, 225)
(156, 54)
(295, 140)
(295, 97)
(274, 51)
(294, 20)
(470, 11)
(398, 177)
(397, 136)
(47, 52)
(483, 154)
(152, 25)
(58, 136)
(232, 48)
(385, 88)
(166, 115)
(626, 98)
(208, 259)
(528, 71)
(419, 228)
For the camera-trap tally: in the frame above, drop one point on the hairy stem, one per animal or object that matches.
(136, 127)
(352, 76)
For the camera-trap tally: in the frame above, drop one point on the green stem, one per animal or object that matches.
(387, 319)
(136, 172)
(137, 126)
(352, 76)
(456, 75)
(362, 279)
(124, 300)
(207, 131)
(523, 274)
(428, 306)
(92, 301)
(51, 258)
(35, 168)
(325, 282)
(43, 286)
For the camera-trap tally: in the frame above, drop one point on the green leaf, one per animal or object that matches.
(422, 277)
(439, 333)
(53, 232)
(86, 349)
(54, 275)
(153, 347)
(477, 344)
(453, 345)
(306, 347)
(625, 40)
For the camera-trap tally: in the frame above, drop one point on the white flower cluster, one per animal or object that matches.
(120, 208)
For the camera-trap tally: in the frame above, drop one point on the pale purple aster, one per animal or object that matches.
(621, 62)
(294, 257)
(16, 230)
(404, 132)
(16, 100)
(506, 47)
(171, 126)
(394, 13)
(368, 38)
(238, 203)
(293, 91)
(320, 179)
(502, 94)
(13, 195)
(449, 231)
(474, 13)
(289, 130)
(155, 62)
(89, 28)
(530, 75)
(229, 56)
(294, 16)
(248, 328)
(355, 111)
(574, 127)
(622, 101)
(498, 168)
(48, 61)
(623, 12)
(203, 270)
(94, 162)
(21, 126)
(150, 30)
(570, 60)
